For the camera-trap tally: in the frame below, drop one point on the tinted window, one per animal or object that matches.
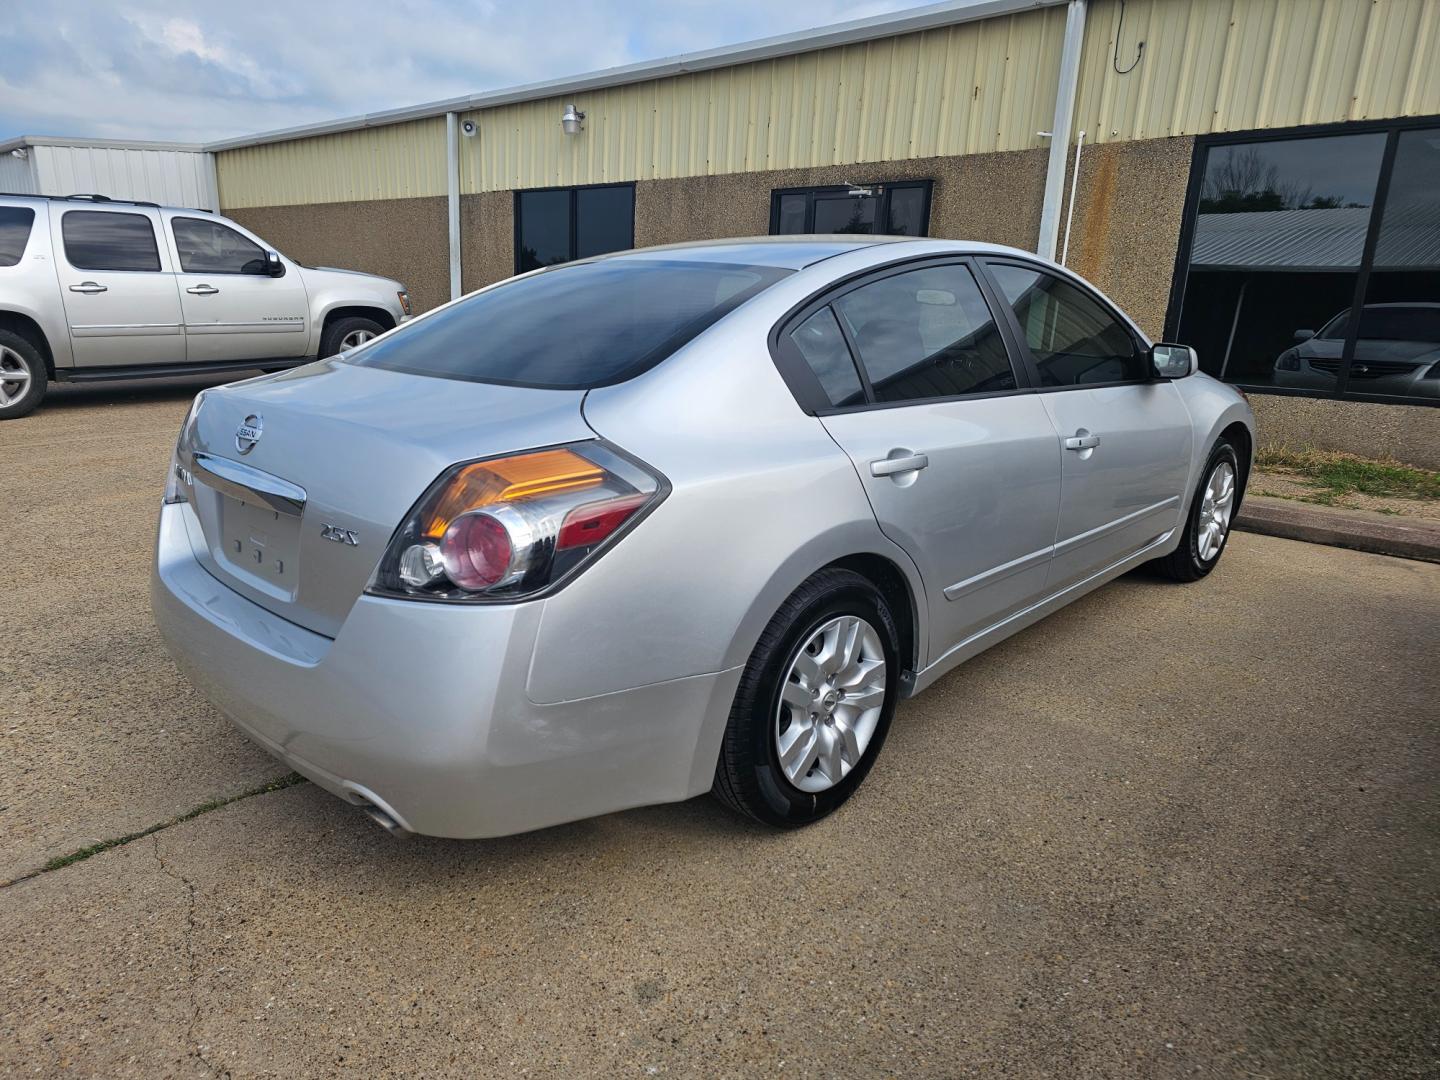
(15, 222)
(821, 343)
(1279, 236)
(573, 327)
(1072, 338)
(927, 333)
(562, 224)
(604, 220)
(207, 247)
(901, 209)
(95, 240)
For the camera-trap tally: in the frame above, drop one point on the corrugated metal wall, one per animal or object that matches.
(17, 175)
(1209, 65)
(175, 177)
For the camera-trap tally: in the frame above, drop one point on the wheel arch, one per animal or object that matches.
(356, 311)
(30, 330)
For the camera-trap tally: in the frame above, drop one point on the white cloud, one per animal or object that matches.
(137, 69)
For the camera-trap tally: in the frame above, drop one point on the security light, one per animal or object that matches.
(573, 120)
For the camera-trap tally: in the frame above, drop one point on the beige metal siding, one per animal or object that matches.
(393, 162)
(966, 89)
(1209, 65)
(1237, 65)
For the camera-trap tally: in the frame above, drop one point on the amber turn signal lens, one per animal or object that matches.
(524, 476)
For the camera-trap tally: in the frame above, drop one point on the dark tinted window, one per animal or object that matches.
(562, 224)
(96, 240)
(604, 220)
(573, 327)
(821, 343)
(207, 247)
(1072, 338)
(15, 222)
(899, 209)
(926, 333)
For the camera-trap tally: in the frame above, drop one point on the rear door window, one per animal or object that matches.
(101, 240)
(15, 225)
(926, 333)
(571, 328)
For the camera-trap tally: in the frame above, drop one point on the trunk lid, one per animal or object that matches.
(364, 444)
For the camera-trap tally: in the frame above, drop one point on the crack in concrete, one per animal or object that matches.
(62, 861)
(190, 1040)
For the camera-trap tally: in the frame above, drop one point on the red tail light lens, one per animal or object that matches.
(517, 526)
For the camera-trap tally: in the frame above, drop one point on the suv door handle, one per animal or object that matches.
(89, 287)
(889, 466)
(1082, 442)
(202, 290)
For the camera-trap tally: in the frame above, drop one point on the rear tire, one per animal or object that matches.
(348, 333)
(831, 705)
(25, 386)
(1212, 513)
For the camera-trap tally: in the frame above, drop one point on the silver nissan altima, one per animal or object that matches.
(676, 520)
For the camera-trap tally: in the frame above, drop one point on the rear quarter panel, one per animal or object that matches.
(31, 287)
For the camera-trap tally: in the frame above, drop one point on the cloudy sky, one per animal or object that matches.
(155, 69)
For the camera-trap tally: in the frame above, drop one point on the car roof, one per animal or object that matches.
(782, 252)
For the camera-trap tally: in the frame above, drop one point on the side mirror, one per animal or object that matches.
(1173, 361)
(1304, 335)
(273, 266)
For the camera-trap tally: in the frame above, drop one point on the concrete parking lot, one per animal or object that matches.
(1170, 831)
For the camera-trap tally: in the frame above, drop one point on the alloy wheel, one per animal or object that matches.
(14, 376)
(1216, 506)
(830, 704)
(355, 339)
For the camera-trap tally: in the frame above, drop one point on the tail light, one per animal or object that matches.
(517, 526)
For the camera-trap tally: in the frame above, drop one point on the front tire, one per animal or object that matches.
(814, 704)
(23, 380)
(1212, 512)
(348, 333)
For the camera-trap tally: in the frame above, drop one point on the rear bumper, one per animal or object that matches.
(422, 708)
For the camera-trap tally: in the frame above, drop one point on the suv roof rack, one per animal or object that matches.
(77, 198)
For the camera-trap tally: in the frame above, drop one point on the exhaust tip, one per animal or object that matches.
(385, 821)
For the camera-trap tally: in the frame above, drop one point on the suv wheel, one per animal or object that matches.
(1212, 511)
(814, 704)
(348, 333)
(22, 376)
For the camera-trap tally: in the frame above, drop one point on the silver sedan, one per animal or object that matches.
(685, 519)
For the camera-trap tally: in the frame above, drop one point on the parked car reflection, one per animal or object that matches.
(1397, 352)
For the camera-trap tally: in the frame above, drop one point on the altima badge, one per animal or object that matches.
(248, 433)
(339, 535)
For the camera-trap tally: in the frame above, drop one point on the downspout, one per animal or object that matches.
(452, 174)
(1060, 129)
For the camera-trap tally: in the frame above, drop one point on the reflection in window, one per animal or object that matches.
(823, 346)
(1397, 341)
(15, 223)
(898, 209)
(100, 240)
(207, 247)
(926, 334)
(1277, 246)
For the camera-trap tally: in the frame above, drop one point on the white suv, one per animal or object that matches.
(93, 288)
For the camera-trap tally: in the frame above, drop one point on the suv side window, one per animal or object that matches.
(926, 333)
(1073, 339)
(101, 240)
(207, 247)
(15, 223)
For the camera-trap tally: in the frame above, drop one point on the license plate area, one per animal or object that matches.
(259, 546)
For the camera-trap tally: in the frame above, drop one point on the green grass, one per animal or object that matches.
(204, 808)
(1336, 475)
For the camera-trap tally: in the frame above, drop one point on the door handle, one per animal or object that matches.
(890, 466)
(202, 290)
(89, 287)
(1082, 442)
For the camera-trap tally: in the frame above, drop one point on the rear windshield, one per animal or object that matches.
(574, 327)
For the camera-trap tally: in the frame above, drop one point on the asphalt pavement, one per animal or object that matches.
(1172, 830)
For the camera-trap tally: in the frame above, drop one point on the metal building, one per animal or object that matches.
(175, 174)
